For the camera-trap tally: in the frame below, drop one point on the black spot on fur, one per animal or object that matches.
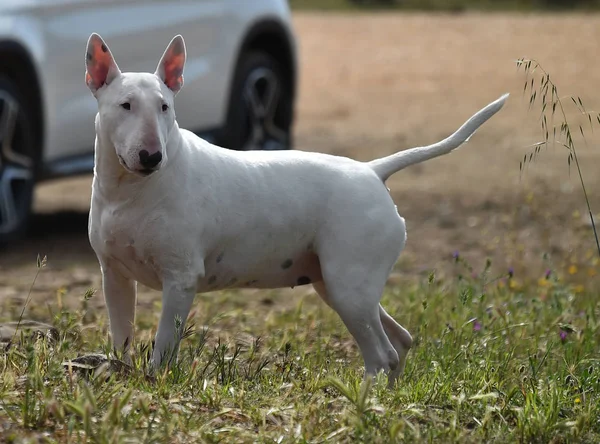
(104, 48)
(287, 264)
(88, 56)
(303, 280)
(212, 279)
(219, 258)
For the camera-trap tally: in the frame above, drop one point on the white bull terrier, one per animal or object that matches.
(181, 215)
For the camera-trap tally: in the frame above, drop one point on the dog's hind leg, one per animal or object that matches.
(358, 307)
(355, 271)
(400, 339)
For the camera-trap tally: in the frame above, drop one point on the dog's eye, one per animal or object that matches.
(165, 107)
(126, 106)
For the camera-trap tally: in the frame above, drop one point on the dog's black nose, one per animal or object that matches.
(150, 161)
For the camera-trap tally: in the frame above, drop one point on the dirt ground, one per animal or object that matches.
(374, 84)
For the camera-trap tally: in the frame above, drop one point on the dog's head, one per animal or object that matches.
(135, 109)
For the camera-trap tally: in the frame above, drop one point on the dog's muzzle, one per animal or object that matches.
(144, 172)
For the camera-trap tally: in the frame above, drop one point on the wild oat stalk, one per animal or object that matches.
(41, 263)
(551, 102)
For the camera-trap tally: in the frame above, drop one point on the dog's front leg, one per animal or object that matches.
(178, 295)
(120, 296)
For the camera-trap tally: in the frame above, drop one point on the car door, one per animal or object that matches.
(137, 32)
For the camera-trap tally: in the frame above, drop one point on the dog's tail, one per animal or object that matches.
(389, 165)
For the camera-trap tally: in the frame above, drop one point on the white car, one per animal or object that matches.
(240, 80)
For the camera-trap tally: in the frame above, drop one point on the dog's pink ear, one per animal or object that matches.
(100, 65)
(170, 67)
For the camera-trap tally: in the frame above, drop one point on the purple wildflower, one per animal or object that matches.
(511, 272)
(476, 326)
(455, 255)
(563, 335)
(548, 273)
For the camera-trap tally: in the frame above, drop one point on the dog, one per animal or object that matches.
(183, 216)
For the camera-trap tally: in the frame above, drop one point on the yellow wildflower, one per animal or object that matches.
(529, 197)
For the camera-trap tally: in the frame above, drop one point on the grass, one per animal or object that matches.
(493, 361)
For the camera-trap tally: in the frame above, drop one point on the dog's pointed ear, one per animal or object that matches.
(170, 67)
(100, 65)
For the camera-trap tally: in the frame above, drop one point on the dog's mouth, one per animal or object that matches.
(123, 163)
(145, 172)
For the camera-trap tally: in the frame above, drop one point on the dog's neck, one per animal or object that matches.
(110, 175)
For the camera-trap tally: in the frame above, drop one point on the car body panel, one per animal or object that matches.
(54, 34)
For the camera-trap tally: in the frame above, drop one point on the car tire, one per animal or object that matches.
(260, 108)
(18, 161)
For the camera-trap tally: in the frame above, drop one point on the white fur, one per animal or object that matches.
(209, 218)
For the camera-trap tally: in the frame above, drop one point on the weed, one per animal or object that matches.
(546, 92)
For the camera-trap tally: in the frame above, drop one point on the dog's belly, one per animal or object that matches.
(300, 269)
(231, 271)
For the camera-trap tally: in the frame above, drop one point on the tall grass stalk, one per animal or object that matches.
(545, 90)
(41, 263)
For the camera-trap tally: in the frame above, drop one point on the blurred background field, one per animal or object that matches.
(445, 5)
(375, 82)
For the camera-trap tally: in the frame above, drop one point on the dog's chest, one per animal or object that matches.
(125, 241)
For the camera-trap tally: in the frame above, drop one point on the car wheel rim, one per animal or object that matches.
(261, 96)
(16, 168)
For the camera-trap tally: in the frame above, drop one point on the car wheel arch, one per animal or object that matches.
(17, 64)
(271, 37)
